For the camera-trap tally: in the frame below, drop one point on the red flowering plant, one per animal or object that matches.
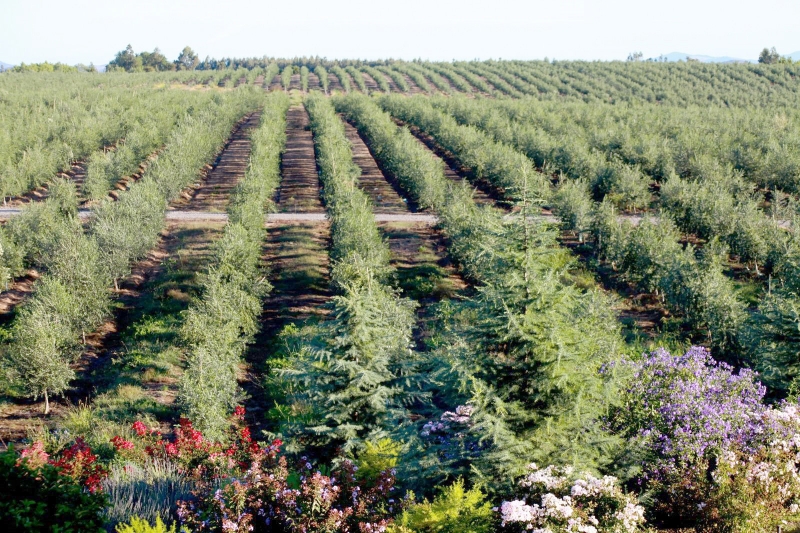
(243, 485)
(77, 461)
(270, 496)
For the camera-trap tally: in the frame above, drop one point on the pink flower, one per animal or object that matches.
(121, 444)
(140, 428)
(35, 455)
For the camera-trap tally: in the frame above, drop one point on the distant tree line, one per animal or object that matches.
(52, 67)
(130, 61)
(772, 57)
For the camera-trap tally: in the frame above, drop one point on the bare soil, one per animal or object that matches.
(313, 82)
(212, 193)
(275, 84)
(386, 196)
(299, 191)
(333, 83)
(18, 290)
(392, 85)
(369, 81)
(413, 88)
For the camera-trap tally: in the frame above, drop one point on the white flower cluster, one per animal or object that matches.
(552, 477)
(461, 416)
(631, 516)
(592, 487)
(572, 505)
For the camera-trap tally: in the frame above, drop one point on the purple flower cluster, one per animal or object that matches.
(683, 407)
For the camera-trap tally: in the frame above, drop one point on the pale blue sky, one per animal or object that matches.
(73, 31)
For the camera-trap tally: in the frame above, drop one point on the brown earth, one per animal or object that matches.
(18, 290)
(299, 191)
(212, 193)
(386, 196)
(483, 192)
(413, 87)
(370, 83)
(392, 85)
(333, 83)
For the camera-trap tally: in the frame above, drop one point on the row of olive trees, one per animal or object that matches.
(396, 76)
(352, 383)
(626, 185)
(343, 77)
(493, 162)
(147, 129)
(416, 76)
(710, 307)
(673, 84)
(524, 352)
(72, 297)
(711, 202)
(47, 124)
(222, 321)
(379, 78)
(322, 74)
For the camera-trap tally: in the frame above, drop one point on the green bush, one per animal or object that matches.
(138, 525)
(454, 510)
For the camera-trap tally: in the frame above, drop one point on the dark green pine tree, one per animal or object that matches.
(526, 353)
(355, 386)
(773, 332)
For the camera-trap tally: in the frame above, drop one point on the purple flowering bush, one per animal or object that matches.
(712, 454)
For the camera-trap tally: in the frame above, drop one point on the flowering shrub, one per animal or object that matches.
(35, 495)
(681, 408)
(452, 440)
(713, 455)
(77, 461)
(269, 496)
(564, 502)
(243, 486)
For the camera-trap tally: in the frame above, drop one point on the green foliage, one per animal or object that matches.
(322, 74)
(286, 77)
(453, 510)
(343, 77)
(772, 333)
(525, 351)
(139, 525)
(378, 456)
(505, 168)
(41, 499)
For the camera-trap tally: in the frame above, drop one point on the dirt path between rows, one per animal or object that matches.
(385, 194)
(483, 193)
(370, 83)
(296, 256)
(76, 174)
(299, 191)
(333, 83)
(212, 193)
